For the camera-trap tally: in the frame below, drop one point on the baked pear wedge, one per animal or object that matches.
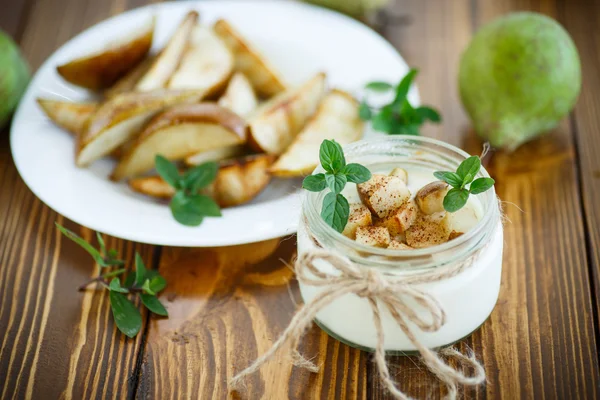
(103, 68)
(69, 115)
(180, 131)
(249, 61)
(207, 64)
(220, 154)
(275, 124)
(239, 96)
(238, 181)
(121, 118)
(335, 119)
(167, 61)
(130, 80)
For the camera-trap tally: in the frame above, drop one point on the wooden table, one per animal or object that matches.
(228, 304)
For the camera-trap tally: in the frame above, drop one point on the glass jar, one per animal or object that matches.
(466, 298)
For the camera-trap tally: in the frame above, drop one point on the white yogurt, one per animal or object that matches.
(467, 298)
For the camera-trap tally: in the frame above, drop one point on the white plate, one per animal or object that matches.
(299, 39)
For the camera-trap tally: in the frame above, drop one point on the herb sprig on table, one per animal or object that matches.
(399, 116)
(457, 197)
(335, 209)
(123, 283)
(188, 206)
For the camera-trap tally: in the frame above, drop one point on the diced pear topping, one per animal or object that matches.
(430, 198)
(427, 231)
(377, 236)
(383, 194)
(454, 235)
(398, 245)
(401, 219)
(359, 216)
(400, 173)
(462, 220)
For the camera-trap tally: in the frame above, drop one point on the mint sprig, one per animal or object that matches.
(335, 210)
(457, 197)
(141, 282)
(188, 206)
(398, 117)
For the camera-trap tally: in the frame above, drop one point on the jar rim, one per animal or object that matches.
(310, 205)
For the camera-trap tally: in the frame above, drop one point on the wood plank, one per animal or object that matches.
(13, 13)
(56, 342)
(227, 306)
(581, 18)
(539, 341)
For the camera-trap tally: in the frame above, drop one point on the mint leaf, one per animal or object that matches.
(129, 280)
(127, 317)
(356, 173)
(153, 304)
(428, 113)
(364, 111)
(115, 286)
(146, 287)
(481, 185)
(200, 177)
(383, 121)
(336, 182)
(168, 171)
(450, 178)
(101, 244)
(81, 242)
(455, 199)
(209, 207)
(335, 211)
(331, 156)
(157, 283)
(314, 183)
(468, 169)
(191, 210)
(379, 86)
(140, 270)
(404, 86)
(114, 273)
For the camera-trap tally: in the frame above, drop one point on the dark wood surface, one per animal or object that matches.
(228, 304)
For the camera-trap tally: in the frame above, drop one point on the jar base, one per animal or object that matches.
(388, 352)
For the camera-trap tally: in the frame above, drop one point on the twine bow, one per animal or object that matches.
(397, 294)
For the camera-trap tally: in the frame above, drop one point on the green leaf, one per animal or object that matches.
(126, 315)
(336, 182)
(168, 171)
(450, 178)
(455, 199)
(140, 270)
(129, 280)
(102, 244)
(404, 86)
(146, 287)
(428, 113)
(112, 254)
(115, 286)
(383, 121)
(364, 111)
(191, 210)
(81, 242)
(398, 128)
(200, 177)
(153, 304)
(481, 185)
(157, 283)
(335, 211)
(331, 156)
(114, 273)
(356, 173)
(468, 169)
(379, 86)
(314, 183)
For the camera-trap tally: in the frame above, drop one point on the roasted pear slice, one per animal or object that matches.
(249, 61)
(275, 124)
(68, 115)
(220, 154)
(119, 119)
(179, 132)
(130, 80)
(102, 69)
(168, 59)
(239, 96)
(336, 118)
(206, 65)
(238, 181)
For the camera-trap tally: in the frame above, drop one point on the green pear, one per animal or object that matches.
(518, 78)
(14, 76)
